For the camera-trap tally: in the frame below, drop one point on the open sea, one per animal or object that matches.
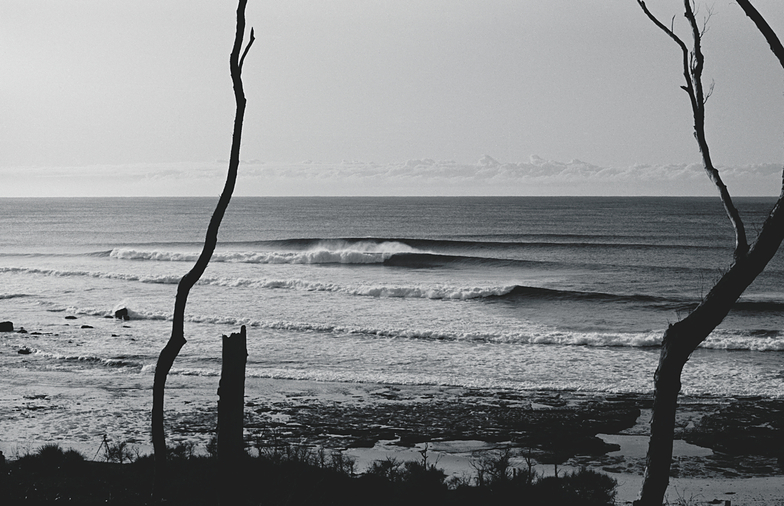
(492, 293)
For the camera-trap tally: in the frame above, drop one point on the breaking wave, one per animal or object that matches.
(720, 339)
(323, 252)
(90, 359)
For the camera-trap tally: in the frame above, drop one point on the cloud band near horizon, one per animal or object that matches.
(421, 177)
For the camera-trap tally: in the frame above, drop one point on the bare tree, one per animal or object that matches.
(682, 338)
(177, 339)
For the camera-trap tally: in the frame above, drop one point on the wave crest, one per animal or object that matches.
(322, 252)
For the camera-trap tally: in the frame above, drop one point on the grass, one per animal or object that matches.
(287, 475)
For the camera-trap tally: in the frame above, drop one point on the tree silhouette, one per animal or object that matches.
(177, 339)
(683, 337)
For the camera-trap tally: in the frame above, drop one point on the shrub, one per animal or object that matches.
(592, 487)
(585, 487)
(388, 469)
(182, 451)
(119, 453)
(50, 456)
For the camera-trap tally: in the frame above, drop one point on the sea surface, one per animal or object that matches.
(489, 293)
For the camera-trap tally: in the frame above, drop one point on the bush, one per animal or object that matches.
(296, 475)
(50, 455)
(591, 487)
(584, 487)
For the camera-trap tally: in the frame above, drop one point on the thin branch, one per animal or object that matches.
(698, 106)
(696, 58)
(668, 31)
(705, 20)
(709, 92)
(773, 41)
(764, 28)
(247, 48)
(693, 64)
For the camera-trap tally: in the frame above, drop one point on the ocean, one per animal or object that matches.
(547, 293)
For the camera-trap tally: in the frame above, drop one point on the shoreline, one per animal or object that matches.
(454, 425)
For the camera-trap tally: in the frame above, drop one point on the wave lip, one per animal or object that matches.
(5, 296)
(321, 252)
(91, 359)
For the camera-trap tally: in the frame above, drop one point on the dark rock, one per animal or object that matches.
(24, 350)
(6, 327)
(87, 326)
(122, 314)
(21, 330)
(70, 317)
(745, 427)
(560, 431)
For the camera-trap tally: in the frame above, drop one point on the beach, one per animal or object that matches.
(397, 326)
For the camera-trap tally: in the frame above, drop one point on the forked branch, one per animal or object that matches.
(693, 64)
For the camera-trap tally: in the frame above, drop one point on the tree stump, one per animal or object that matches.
(231, 404)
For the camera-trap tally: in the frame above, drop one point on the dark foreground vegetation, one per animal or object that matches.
(288, 475)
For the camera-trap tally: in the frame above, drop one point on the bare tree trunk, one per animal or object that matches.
(667, 385)
(682, 338)
(177, 339)
(231, 408)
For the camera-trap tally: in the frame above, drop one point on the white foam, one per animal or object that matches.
(112, 362)
(325, 252)
(720, 339)
(731, 341)
(165, 279)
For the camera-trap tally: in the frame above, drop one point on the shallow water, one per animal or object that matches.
(517, 293)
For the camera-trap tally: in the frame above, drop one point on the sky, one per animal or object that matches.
(381, 97)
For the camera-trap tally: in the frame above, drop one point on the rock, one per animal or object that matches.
(87, 326)
(24, 350)
(6, 327)
(70, 317)
(753, 426)
(21, 330)
(122, 314)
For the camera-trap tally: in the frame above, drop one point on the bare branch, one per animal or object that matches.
(709, 92)
(706, 22)
(696, 59)
(773, 41)
(693, 64)
(177, 338)
(669, 31)
(684, 50)
(764, 28)
(247, 48)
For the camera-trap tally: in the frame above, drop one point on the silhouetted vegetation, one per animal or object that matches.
(291, 475)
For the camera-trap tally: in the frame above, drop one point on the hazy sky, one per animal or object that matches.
(380, 97)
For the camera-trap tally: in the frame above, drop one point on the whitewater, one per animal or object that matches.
(559, 294)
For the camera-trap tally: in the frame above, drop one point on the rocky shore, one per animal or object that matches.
(717, 437)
